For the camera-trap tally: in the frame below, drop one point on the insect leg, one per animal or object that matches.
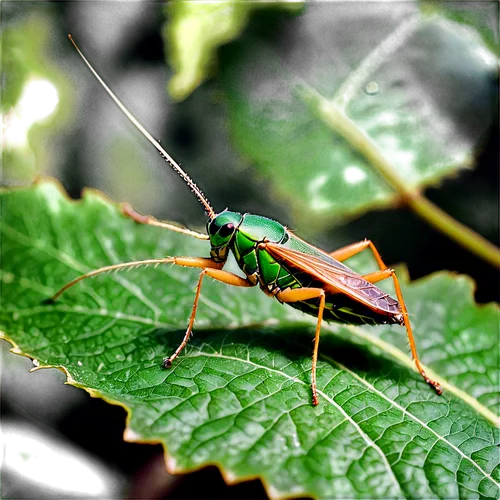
(348, 251)
(390, 273)
(297, 295)
(149, 220)
(384, 273)
(216, 274)
(180, 261)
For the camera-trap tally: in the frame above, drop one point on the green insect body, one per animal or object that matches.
(284, 266)
(243, 233)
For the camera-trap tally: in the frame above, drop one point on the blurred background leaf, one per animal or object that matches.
(477, 15)
(195, 31)
(33, 89)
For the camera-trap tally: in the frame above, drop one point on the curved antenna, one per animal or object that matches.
(194, 188)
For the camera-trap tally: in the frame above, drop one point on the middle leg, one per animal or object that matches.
(297, 295)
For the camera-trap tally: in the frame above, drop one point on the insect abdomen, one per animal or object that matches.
(342, 309)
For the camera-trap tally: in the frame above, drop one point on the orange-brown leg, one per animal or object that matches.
(208, 266)
(152, 221)
(384, 273)
(390, 273)
(115, 267)
(200, 262)
(216, 274)
(350, 250)
(296, 295)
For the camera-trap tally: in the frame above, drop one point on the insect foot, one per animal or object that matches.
(434, 385)
(167, 363)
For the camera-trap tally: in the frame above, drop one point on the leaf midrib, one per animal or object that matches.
(372, 388)
(369, 442)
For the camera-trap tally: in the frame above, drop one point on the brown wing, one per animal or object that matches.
(351, 284)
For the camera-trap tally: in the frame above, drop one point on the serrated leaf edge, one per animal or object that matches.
(229, 478)
(130, 436)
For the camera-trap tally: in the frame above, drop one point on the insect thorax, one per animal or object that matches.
(256, 263)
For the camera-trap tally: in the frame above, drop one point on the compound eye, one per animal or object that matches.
(226, 230)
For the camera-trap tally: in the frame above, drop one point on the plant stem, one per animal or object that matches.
(420, 205)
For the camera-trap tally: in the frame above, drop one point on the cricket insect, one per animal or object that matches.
(280, 263)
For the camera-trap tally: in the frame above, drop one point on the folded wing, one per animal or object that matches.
(336, 279)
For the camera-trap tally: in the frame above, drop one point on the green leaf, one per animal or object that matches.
(195, 31)
(239, 395)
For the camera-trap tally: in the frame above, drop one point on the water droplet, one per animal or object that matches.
(372, 88)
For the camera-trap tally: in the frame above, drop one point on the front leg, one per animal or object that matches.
(208, 267)
(180, 261)
(216, 274)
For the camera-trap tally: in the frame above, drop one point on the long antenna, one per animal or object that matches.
(194, 188)
(107, 269)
